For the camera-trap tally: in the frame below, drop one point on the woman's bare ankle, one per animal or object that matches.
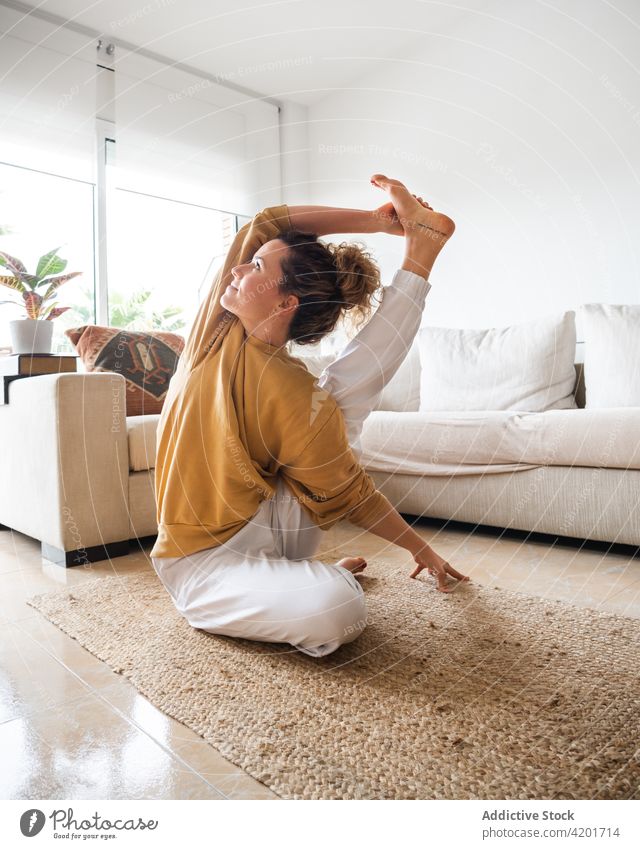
(420, 254)
(416, 267)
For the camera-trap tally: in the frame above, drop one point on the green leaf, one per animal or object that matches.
(54, 283)
(57, 312)
(12, 263)
(49, 264)
(29, 280)
(33, 302)
(44, 311)
(13, 283)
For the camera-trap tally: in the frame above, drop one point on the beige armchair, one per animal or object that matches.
(64, 476)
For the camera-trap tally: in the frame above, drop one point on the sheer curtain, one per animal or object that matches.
(47, 151)
(190, 157)
(47, 96)
(186, 137)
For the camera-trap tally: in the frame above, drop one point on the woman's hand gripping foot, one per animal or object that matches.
(413, 214)
(387, 214)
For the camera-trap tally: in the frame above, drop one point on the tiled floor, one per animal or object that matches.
(71, 728)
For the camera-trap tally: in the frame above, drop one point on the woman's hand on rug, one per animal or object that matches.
(426, 558)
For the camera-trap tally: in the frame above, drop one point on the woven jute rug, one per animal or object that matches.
(479, 694)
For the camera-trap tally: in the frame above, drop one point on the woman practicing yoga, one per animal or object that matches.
(256, 456)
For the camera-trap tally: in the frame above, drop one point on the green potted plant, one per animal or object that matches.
(38, 291)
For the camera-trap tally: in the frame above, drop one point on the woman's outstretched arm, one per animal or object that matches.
(324, 220)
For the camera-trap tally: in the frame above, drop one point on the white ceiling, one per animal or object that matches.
(298, 50)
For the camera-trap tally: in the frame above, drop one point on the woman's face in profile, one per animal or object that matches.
(253, 293)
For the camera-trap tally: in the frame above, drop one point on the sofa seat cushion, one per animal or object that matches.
(469, 442)
(141, 435)
(474, 442)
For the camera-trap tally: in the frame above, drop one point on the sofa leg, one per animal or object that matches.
(82, 556)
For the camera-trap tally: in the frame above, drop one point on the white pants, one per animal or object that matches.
(264, 583)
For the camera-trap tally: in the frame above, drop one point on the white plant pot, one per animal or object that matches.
(31, 336)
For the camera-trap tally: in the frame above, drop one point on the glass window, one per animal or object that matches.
(40, 212)
(162, 255)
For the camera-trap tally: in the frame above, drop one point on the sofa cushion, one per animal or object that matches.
(147, 361)
(475, 442)
(611, 334)
(528, 366)
(141, 436)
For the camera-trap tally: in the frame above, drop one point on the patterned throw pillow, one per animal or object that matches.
(147, 361)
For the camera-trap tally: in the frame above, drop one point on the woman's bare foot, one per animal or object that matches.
(426, 231)
(412, 214)
(353, 564)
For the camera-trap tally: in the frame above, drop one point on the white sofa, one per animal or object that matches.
(77, 474)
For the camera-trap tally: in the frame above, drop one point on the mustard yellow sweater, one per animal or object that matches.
(238, 413)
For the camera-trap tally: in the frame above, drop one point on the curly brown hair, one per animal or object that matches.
(329, 280)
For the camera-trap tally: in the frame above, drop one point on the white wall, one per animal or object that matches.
(523, 124)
